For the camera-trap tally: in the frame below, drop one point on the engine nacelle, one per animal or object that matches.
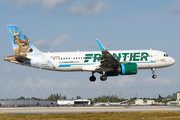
(124, 69)
(128, 69)
(112, 73)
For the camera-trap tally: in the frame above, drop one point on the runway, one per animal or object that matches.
(60, 110)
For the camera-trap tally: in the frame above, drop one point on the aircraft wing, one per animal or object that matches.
(107, 61)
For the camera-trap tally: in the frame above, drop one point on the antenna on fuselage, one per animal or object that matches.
(150, 48)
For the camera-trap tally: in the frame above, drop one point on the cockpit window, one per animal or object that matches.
(165, 55)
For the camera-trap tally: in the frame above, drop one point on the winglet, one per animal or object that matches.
(100, 45)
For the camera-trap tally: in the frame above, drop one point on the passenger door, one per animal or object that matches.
(43, 60)
(156, 56)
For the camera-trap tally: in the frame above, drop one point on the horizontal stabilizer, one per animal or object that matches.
(17, 58)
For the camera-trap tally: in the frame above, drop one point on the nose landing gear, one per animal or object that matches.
(153, 71)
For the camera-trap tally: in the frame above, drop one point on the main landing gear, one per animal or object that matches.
(103, 78)
(153, 76)
(93, 78)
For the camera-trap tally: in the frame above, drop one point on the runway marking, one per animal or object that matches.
(157, 110)
(161, 110)
(171, 117)
(7, 112)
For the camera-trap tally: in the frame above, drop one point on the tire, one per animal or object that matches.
(103, 78)
(92, 78)
(154, 76)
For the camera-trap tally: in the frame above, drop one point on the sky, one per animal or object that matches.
(71, 25)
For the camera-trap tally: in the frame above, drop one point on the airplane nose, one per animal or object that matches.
(172, 61)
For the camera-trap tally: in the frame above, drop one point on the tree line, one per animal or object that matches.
(104, 98)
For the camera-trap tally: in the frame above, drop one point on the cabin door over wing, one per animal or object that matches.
(156, 56)
(43, 60)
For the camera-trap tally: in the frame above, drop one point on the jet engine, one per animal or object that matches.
(129, 69)
(124, 69)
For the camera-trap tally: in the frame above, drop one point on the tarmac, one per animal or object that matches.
(60, 110)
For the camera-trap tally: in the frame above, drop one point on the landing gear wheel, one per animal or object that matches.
(154, 76)
(103, 77)
(153, 71)
(92, 78)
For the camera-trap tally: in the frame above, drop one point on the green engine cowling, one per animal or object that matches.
(128, 69)
(125, 69)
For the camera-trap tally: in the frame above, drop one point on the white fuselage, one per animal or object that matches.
(90, 60)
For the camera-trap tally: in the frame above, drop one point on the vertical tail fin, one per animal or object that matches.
(20, 43)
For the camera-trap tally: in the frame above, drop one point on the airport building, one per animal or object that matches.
(25, 103)
(74, 102)
(173, 103)
(139, 102)
(176, 96)
(145, 102)
(151, 102)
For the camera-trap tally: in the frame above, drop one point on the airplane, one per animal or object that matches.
(100, 104)
(124, 103)
(107, 63)
(114, 104)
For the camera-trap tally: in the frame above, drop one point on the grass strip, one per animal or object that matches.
(96, 116)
